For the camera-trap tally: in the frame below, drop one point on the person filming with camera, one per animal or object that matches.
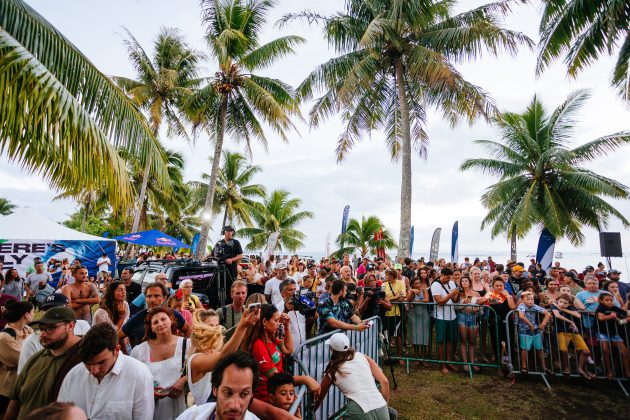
(297, 321)
(228, 251)
(336, 312)
(372, 300)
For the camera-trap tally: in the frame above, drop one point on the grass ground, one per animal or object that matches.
(427, 393)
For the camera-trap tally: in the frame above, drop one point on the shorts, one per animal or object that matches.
(565, 338)
(354, 411)
(446, 331)
(395, 327)
(526, 341)
(466, 319)
(607, 337)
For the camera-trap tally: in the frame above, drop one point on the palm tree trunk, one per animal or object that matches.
(225, 214)
(405, 188)
(212, 183)
(139, 204)
(86, 210)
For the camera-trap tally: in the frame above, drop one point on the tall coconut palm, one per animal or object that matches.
(63, 118)
(6, 207)
(234, 193)
(397, 59)
(359, 236)
(236, 99)
(277, 213)
(92, 202)
(164, 81)
(542, 181)
(581, 31)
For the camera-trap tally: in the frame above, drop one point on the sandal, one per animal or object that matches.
(444, 370)
(524, 371)
(548, 371)
(585, 375)
(567, 373)
(476, 369)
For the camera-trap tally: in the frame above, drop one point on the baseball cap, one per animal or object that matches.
(228, 228)
(370, 267)
(55, 315)
(589, 267)
(54, 300)
(281, 266)
(614, 271)
(338, 342)
(310, 265)
(517, 268)
(397, 266)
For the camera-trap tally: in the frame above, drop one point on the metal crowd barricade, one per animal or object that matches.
(563, 348)
(311, 358)
(471, 333)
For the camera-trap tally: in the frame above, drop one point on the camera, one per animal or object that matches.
(460, 289)
(303, 303)
(374, 292)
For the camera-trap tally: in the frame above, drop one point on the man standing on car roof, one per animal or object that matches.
(228, 250)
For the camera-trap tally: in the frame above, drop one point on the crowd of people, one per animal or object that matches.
(117, 351)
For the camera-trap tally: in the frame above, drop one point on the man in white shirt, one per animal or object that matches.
(108, 384)
(103, 264)
(272, 287)
(37, 280)
(445, 293)
(301, 273)
(297, 322)
(234, 381)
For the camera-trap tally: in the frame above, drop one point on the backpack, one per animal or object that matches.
(9, 331)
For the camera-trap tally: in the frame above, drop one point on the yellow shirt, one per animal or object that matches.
(393, 291)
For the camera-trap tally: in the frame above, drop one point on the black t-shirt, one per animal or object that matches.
(409, 273)
(133, 291)
(563, 326)
(229, 249)
(611, 326)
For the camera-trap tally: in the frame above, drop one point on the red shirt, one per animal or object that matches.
(269, 358)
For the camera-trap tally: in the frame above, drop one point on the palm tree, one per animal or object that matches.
(583, 30)
(6, 207)
(397, 59)
(277, 213)
(62, 117)
(92, 202)
(236, 99)
(542, 181)
(233, 194)
(164, 81)
(359, 236)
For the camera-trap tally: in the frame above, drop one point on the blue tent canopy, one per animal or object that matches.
(151, 238)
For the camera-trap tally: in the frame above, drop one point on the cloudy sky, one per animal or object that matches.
(366, 180)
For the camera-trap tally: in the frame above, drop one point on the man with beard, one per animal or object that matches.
(230, 315)
(234, 381)
(39, 382)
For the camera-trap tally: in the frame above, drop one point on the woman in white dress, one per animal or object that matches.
(164, 353)
(114, 308)
(207, 349)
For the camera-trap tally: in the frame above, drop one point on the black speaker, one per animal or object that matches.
(610, 244)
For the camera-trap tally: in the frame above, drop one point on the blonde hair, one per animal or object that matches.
(204, 337)
(255, 298)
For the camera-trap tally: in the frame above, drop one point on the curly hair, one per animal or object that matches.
(108, 302)
(148, 332)
(204, 337)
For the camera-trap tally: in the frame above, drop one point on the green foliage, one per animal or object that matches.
(581, 31)
(6, 207)
(61, 117)
(277, 213)
(359, 236)
(234, 193)
(96, 224)
(542, 181)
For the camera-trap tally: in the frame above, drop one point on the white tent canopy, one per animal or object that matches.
(26, 223)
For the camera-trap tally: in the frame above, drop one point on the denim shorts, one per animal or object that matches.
(467, 320)
(615, 338)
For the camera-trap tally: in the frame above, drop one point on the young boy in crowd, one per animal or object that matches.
(608, 328)
(530, 330)
(568, 318)
(282, 391)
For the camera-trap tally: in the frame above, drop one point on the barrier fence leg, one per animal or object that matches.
(623, 388)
